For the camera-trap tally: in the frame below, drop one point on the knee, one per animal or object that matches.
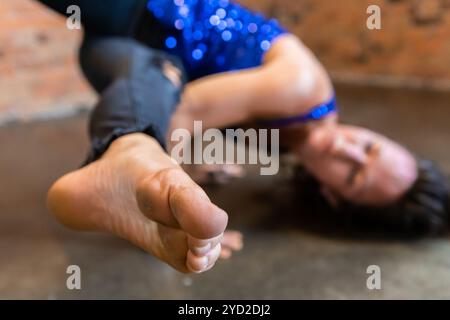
(87, 57)
(105, 59)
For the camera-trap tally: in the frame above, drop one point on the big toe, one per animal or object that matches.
(173, 199)
(196, 214)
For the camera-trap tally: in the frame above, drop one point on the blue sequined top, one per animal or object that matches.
(213, 36)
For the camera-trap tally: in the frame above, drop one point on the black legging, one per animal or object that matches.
(135, 96)
(106, 17)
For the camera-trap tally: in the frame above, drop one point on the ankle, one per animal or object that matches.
(133, 141)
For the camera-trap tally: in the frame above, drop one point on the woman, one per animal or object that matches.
(281, 82)
(275, 81)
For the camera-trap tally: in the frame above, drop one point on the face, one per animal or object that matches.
(358, 165)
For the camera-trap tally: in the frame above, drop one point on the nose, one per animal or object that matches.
(349, 151)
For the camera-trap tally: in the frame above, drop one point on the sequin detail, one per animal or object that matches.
(212, 36)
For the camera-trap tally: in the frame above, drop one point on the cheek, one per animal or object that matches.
(405, 172)
(387, 187)
(396, 172)
(383, 187)
(330, 173)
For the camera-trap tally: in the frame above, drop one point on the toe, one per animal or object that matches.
(213, 256)
(173, 199)
(195, 213)
(201, 264)
(233, 240)
(196, 264)
(201, 247)
(225, 253)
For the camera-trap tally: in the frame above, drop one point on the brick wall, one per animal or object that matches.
(413, 45)
(39, 74)
(38, 70)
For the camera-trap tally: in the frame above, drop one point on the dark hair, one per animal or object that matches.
(422, 210)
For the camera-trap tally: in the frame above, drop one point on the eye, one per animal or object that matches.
(368, 147)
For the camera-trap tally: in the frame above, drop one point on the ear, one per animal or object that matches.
(330, 196)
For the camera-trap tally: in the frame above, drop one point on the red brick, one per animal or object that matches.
(38, 55)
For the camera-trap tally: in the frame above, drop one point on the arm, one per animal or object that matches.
(289, 82)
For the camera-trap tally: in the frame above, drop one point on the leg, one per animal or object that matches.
(106, 17)
(137, 192)
(137, 95)
(134, 190)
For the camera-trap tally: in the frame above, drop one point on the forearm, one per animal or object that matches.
(223, 99)
(289, 82)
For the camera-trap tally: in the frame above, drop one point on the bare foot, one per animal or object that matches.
(137, 192)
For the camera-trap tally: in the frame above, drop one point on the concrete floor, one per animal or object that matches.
(284, 257)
